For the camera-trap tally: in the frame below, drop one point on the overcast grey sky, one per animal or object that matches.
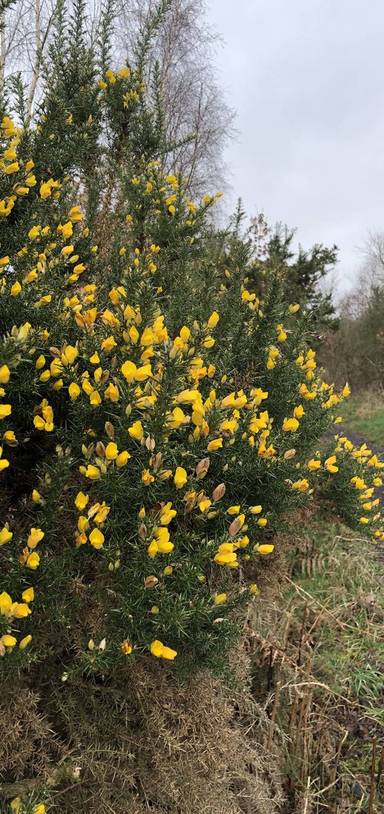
(306, 78)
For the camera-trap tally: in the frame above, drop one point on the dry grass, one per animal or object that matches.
(319, 661)
(145, 743)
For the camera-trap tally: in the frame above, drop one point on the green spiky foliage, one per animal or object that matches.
(161, 405)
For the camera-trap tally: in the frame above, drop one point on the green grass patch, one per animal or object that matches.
(364, 414)
(342, 575)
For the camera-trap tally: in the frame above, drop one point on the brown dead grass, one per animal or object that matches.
(144, 743)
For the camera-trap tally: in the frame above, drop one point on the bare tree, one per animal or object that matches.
(24, 38)
(197, 120)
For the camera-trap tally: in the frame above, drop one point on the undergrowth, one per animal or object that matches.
(322, 644)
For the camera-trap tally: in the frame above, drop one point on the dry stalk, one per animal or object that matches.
(372, 786)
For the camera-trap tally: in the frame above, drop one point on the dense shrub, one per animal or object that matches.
(153, 440)
(161, 405)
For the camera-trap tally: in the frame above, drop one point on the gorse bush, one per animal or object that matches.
(161, 406)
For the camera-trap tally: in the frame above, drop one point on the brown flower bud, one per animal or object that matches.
(202, 468)
(219, 491)
(150, 443)
(109, 429)
(100, 449)
(235, 526)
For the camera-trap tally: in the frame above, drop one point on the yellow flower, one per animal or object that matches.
(92, 472)
(15, 289)
(8, 641)
(233, 510)
(25, 642)
(40, 362)
(66, 229)
(156, 648)
(4, 463)
(147, 478)
(167, 514)
(4, 374)
(5, 535)
(128, 370)
(82, 523)
(161, 651)
(313, 464)
(44, 421)
(112, 392)
(346, 391)
(180, 477)
(226, 555)
(143, 373)
(5, 410)
(255, 509)
(136, 431)
(39, 809)
(47, 187)
(208, 342)
(330, 464)
(290, 424)
(358, 482)
(126, 647)
(111, 451)
(5, 604)
(34, 538)
(215, 444)
(265, 548)
(96, 538)
(262, 522)
(10, 438)
(28, 595)
(220, 599)
(11, 168)
(122, 458)
(300, 485)
(213, 320)
(69, 355)
(294, 308)
(81, 501)
(74, 391)
(95, 399)
(75, 214)
(21, 610)
(253, 589)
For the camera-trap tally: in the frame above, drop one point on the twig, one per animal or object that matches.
(372, 793)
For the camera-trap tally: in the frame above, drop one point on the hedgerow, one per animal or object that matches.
(161, 404)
